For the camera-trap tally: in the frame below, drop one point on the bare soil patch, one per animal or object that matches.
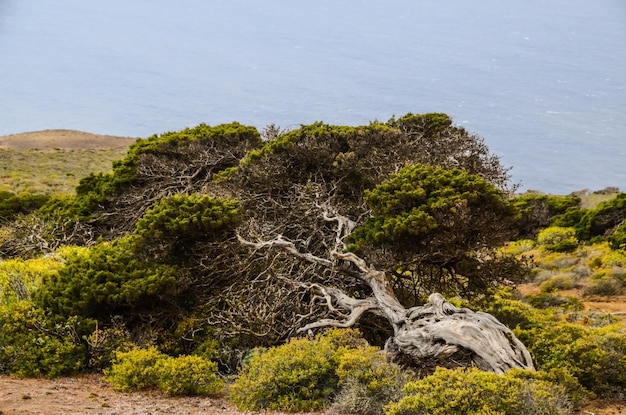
(90, 395)
(614, 305)
(63, 139)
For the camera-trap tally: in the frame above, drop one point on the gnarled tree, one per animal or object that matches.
(357, 218)
(410, 207)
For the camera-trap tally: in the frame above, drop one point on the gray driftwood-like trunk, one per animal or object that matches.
(434, 334)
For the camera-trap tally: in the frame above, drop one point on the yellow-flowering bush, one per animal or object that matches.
(31, 344)
(141, 369)
(558, 239)
(188, 375)
(304, 374)
(473, 392)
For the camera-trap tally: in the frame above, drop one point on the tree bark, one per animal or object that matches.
(434, 334)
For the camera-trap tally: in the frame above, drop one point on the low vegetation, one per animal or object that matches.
(52, 171)
(288, 266)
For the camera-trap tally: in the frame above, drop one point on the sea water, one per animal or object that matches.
(543, 82)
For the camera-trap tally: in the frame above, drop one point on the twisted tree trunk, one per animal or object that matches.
(434, 334)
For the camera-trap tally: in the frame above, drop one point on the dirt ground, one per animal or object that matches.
(90, 395)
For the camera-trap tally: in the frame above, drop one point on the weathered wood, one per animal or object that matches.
(434, 332)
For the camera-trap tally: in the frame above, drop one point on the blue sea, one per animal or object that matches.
(543, 82)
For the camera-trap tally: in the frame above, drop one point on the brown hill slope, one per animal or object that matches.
(63, 139)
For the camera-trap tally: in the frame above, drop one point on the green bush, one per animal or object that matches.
(557, 283)
(187, 216)
(135, 370)
(12, 205)
(558, 239)
(108, 279)
(605, 287)
(367, 382)
(617, 240)
(548, 300)
(606, 216)
(32, 345)
(188, 375)
(303, 375)
(473, 392)
(595, 356)
(141, 369)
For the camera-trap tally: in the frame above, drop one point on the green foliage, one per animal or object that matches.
(558, 282)
(108, 279)
(420, 199)
(141, 369)
(472, 392)
(367, 382)
(605, 217)
(12, 205)
(595, 356)
(233, 135)
(135, 369)
(18, 277)
(188, 216)
(538, 211)
(52, 171)
(558, 239)
(188, 375)
(33, 345)
(298, 376)
(605, 287)
(430, 124)
(549, 300)
(617, 240)
(303, 374)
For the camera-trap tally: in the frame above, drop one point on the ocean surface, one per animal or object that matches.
(543, 82)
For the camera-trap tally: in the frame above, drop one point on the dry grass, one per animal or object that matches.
(54, 161)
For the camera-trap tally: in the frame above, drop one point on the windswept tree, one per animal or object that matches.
(354, 228)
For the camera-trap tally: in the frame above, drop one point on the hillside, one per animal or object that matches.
(64, 140)
(53, 161)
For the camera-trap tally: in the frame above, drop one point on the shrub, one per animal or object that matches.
(558, 282)
(617, 240)
(606, 216)
(135, 370)
(303, 375)
(368, 382)
(108, 279)
(595, 356)
(558, 239)
(191, 216)
(614, 258)
(297, 376)
(141, 369)
(547, 300)
(18, 277)
(605, 286)
(188, 375)
(12, 205)
(473, 392)
(32, 345)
